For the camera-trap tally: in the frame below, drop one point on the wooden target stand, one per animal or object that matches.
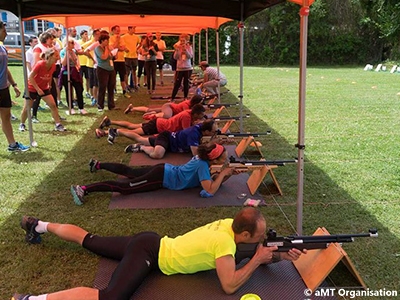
(258, 173)
(245, 141)
(316, 265)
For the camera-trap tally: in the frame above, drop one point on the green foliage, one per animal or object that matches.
(344, 32)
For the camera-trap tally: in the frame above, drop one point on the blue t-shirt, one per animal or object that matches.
(3, 68)
(182, 140)
(186, 176)
(105, 64)
(72, 60)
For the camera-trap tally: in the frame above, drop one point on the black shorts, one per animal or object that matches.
(160, 63)
(150, 127)
(161, 139)
(84, 71)
(93, 79)
(5, 98)
(119, 67)
(35, 96)
(131, 64)
(57, 71)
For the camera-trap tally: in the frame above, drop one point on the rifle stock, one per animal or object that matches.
(234, 135)
(284, 244)
(218, 105)
(228, 118)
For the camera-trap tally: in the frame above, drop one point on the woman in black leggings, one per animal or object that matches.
(194, 173)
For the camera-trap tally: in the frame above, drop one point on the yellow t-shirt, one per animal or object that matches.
(198, 249)
(131, 42)
(89, 62)
(83, 59)
(120, 54)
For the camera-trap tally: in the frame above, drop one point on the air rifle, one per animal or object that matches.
(219, 105)
(234, 135)
(285, 243)
(246, 165)
(229, 118)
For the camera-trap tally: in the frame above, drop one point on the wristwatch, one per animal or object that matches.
(14, 84)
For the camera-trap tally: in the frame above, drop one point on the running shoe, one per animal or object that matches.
(18, 147)
(133, 148)
(112, 134)
(29, 224)
(106, 122)
(77, 193)
(92, 165)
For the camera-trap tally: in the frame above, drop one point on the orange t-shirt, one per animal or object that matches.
(178, 122)
(178, 107)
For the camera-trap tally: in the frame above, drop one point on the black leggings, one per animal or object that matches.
(78, 86)
(138, 179)
(138, 256)
(141, 69)
(185, 75)
(150, 67)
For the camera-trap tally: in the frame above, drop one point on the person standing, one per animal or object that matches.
(160, 55)
(141, 61)
(92, 64)
(83, 62)
(117, 44)
(6, 80)
(105, 73)
(76, 80)
(131, 56)
(39, 85)
(149, 51)
(45, 43)
(183, 54)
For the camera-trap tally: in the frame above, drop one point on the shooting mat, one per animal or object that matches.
(227, 194)
(271, 282)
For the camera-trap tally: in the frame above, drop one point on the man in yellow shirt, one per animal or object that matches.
(83, 62)
(118, 44)
(212, 246)
(132, 42)
(89, 47)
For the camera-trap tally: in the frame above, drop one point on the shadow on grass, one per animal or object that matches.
(56, 265)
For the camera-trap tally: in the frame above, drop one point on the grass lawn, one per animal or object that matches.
(352, 169)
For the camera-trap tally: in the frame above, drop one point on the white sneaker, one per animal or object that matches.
(73, 112)
(22, 127)
(60, 127)
(83, 111)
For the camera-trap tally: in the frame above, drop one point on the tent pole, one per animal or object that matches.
(68, 70)
(194, 49)
(217, 45)
(241, 27)
(200, 46)
(26, 92)
(304, 11)
(206, 44)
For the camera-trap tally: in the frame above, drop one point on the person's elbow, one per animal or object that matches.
(229, 289)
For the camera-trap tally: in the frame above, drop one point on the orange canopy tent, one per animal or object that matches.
(143, 23)
(231, 9)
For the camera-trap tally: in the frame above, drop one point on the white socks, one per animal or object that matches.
(41, 228)
(41, 297)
